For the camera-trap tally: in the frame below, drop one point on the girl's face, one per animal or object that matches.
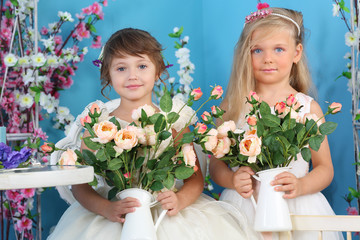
(133, 77)
(273, 56)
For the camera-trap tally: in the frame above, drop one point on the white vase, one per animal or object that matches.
(272, 211)
(139, 224)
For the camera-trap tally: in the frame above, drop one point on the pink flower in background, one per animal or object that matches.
(280, 107)
(96, 8)
(58, 40)
(38, 132)
(336, 107)
(291, 100)
(217, 91)
(6, 33)
(24, 224)
(127, 175)
(13, 195)
(28, 192)
(206, 116)
(201, 128)
(254, 95)
(197, 93)
(352, 211)
(96, 43)
(87, 10)
(262, 5)
(44, 31)
(94, 108)
(105, 3)
(82, 32)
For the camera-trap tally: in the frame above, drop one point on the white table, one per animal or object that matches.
(45, 176)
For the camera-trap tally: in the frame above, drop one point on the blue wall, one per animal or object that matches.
(214, 27)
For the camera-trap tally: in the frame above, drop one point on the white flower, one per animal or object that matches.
(175, 30)
(76, 58)
(52, 61)
(10, 60)
(63, 111)
(347, 55)
(185, 114)
(336, 10)
(85, 50)
(136, 113)
(351, 39)
(65, 16)
(53, 26)
(182, 53)
(28, 77)
(185, 39)
(38, 60)
(186, 79)
(171, 80)
(24, 61)
(26, 100)
(348, 65)
(48, 43)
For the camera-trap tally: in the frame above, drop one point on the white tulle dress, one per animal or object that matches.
(312, 204)
(206, 219)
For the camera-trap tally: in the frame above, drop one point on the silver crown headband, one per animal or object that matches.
(262, 13)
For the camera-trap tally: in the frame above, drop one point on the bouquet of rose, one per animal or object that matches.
(142, 154)
(275, 137)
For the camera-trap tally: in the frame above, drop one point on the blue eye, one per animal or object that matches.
(257, 50)
(142, 66)
(279, 50)
(121, 69)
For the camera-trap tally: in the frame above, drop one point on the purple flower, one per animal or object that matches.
(15, 158)
(97, 62)
(169, 65)
(5, 150)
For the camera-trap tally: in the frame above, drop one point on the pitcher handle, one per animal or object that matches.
(162, 215)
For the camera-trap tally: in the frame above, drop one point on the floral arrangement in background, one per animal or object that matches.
(272, 139)
(181, 88)
(352, 37)
(30, 82)
(143, 154)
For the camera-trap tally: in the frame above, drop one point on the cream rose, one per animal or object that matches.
(211, 140)
(150, 135)
(68, 157)
(136, 113)
(250, 146)
(224, 128)
(189, 154)
(222, 147)
(125, 139)
(140, 134)
(105, 131)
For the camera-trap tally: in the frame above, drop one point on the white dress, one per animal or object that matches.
(311, 204)
(206, 219)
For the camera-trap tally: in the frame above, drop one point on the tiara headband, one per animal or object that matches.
(263, 12)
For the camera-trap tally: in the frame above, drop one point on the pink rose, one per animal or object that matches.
(46, 148)
(280, 107)
(250, 146)
(254, 95)
(127, 175)
(222, 147)
(140, 134)
(105, 131)
(125, 139)
(201, 128)
(217, 91)
(197, 93)
(84, 120)
(251, 120)
(68, 157)
(260, 6)
(189, 154)
(206, 116)
(336, 107)
(224, 128)
(95, 108)
(211, 139)
(291, 100)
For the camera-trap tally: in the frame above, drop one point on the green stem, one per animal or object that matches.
(302, 141)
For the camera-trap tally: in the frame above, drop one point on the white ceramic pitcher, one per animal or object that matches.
(139, 224)
(271, 210)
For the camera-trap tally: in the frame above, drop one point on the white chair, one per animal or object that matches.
(320, 223)
(73, 141)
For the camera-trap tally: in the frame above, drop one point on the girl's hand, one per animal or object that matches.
(242, 181)
(169, 201)
(115, 211)
(289, 184)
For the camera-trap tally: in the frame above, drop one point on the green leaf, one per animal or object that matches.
(306, 154)
(109, 148)
(327, 127)
(154, 118)
(357, 117)
(115, 164)
(172, 35)
(278, 159)
(151, 164)
(300, 135)
(164, 135)
(100, 155)
(264, 109)
(160, 175)
(90, 144)
(157, 186)
(14, 2)
(144, 116)
(112, 193)
(183, 172)
(139, 162)
(89, 157)
(315, 142)
(92, 28)
(172, 117)
(37, 97)
(187, 137)
(177, 45)
(354, 193)
(166, 102)
(160, 124)
(311, 124)
(114, 121)
(94, 182)
(260, 128)
(89, 20)
(271, 120)
(169, 181)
